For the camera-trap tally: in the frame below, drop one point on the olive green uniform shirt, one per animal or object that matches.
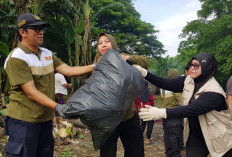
(22, 66)
(170, 99)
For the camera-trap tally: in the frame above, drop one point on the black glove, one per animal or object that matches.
(130, 62)
(61, 109)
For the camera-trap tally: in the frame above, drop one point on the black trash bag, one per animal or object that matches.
(144, 93)
(103, 100)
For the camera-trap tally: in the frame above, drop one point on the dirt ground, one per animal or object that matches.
(82, 146)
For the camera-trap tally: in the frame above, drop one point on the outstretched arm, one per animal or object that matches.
(74, 71)
(173, 84)
(140, 60)
(207, 102)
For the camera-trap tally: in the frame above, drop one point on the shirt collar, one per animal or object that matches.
(27, 50)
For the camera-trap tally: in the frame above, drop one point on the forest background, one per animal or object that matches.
(76, 23)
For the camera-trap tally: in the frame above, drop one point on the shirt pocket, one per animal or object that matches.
(217, 133)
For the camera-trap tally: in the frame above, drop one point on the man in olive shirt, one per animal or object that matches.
(31, 70)
(173, 128)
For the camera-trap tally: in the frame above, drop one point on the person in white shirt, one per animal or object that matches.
(61, 85)
(61, 93)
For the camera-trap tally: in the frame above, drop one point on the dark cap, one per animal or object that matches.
(29, 20)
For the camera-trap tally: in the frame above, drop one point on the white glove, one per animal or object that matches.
(152, 113)
(141, 70)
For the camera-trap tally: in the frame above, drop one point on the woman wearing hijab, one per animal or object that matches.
(129, 129)
(207, 127)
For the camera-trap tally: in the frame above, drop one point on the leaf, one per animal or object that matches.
(4, 48)
(58, 27)
(78, 39)
(69, 33)
(81, 136)
(74, 133)
(80, 26)
(3, 112)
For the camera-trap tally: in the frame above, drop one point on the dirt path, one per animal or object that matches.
(83, 147)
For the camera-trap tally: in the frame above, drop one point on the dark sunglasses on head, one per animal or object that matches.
(195, 66)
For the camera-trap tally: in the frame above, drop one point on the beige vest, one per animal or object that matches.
(215, 126)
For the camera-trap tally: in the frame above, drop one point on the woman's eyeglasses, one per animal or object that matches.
(195, 66)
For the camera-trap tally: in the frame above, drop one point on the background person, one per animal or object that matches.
(31, 71)
(61, 92)
(129, 129)
(207, 127)
(186, 70)
(138, 105)
(173, 128)
(61, 88)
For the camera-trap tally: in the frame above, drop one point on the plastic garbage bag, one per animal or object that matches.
(103, 100)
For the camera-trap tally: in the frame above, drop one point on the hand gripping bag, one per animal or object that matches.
(103, 100)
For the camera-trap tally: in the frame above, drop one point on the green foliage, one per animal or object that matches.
(215, 8)
(4, 51)
(132, 35)
(158, 66)
(161, 65)
(4, 81)
(7, 99)
(81, 136)
(3, 112)
(4, 48)
(211, 35)
(7, 28)
(68, 152)
(75, 23)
